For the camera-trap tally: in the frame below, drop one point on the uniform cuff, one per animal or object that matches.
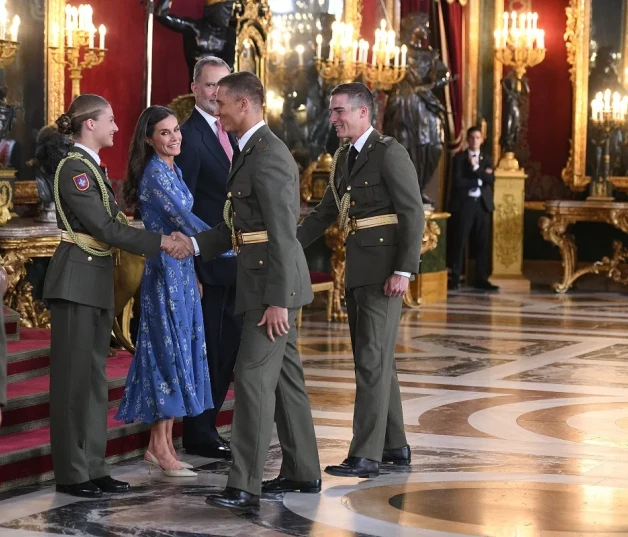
(406, 274)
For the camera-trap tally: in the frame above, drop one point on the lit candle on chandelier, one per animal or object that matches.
(15, 28)
(300, 50)
(404, 55)
(319, 46)
(102, 31)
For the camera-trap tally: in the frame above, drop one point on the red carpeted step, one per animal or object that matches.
(28, 400)
(11, 323)
(25, 456)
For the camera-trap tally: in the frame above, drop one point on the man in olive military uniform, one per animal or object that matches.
(79, 288)
(376, 192)
(273, 283)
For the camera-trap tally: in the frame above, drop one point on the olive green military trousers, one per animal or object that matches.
(269, 384)
(78, 391)
(377, 416)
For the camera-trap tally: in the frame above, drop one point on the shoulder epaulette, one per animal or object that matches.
(386, 140)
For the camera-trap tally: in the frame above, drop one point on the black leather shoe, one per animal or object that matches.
(354, 467)
(486, 286)
(109, 484)
(281, 484)
(399, 456)
(234, 499)
(453, 286)
(82, 490)
(213, 450)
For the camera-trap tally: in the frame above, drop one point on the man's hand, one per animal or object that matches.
(276, 321)
(200, 286)
(177, 245)
(396, 285)
(489, 170)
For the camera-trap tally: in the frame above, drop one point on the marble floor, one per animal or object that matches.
(516, 408)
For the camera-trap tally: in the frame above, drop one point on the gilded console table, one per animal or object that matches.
(555, 230)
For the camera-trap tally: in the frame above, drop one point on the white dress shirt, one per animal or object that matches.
(211, 120)
(359, 144)
(475, 192)
(90, 152)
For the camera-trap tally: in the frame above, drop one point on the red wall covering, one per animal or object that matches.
(120, 79)
(549, 124)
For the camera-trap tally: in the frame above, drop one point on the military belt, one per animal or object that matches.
(373, 221)
(87, 240)
(255, 237)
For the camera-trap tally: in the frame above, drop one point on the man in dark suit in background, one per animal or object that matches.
(471, 205)
(205, 159)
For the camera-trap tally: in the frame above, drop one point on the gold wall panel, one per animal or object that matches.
(55, 75)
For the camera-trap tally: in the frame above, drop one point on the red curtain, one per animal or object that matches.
(451, 22)
(415, 6)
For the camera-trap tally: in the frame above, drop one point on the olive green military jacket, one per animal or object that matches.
(73, 274)
(383, 181)
(264, 188)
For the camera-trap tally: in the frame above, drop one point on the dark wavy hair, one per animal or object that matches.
(140, 152)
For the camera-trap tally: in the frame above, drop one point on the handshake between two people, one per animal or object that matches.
(177, 245)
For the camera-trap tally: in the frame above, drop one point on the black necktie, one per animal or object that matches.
(236, 154)
(353, 154)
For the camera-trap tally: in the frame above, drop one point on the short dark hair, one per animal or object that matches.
(473, 129)
(244, 85)
(358, 93)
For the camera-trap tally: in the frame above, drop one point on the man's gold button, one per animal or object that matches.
(366, 182)
(352, 203)
(239, 193)
(89, 258)
(348, 188)
(228, 194)
(353, 233)
(261, 262)
(381, 239)
(293, 293)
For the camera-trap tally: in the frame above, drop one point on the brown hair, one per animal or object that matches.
(358, 95)
(84, 107)
(244, 84)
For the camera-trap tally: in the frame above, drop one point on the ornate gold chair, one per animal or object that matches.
(321, 283)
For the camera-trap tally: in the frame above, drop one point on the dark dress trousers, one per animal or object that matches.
(471, 217)
(205, 168)
(79, 288)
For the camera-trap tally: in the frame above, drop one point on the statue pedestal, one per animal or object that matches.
(508, 220)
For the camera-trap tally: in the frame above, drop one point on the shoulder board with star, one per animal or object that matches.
(386, 140)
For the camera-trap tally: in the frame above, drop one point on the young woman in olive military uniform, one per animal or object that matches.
(79, 288)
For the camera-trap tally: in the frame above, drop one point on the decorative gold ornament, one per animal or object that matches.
(577, 33)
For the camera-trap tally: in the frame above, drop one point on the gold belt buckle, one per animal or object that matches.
(236, 240)
(354, 224)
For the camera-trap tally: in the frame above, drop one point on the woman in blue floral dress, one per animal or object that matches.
(169, 375)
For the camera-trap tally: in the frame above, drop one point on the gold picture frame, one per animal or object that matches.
(577, 38)
(54, 73)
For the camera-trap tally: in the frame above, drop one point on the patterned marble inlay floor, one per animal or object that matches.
(516, 409)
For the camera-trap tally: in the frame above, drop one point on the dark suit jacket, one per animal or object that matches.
(73, 274)
(383, 181)
(205, 168)
(464, 179)
(264, 189)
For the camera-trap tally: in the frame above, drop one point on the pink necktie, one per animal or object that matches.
(223, 138)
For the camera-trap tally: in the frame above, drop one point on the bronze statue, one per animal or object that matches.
(414, 115)
(210, 35)
(513, 88)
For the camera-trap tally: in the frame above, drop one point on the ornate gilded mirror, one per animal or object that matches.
(597, 51)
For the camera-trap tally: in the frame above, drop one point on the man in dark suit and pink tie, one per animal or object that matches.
(205, 159)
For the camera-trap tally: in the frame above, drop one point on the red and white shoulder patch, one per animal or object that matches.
(81, 181)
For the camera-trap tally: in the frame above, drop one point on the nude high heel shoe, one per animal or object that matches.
(184, 472)
(154, 460)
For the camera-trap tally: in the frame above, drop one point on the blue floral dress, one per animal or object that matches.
(169, 375)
